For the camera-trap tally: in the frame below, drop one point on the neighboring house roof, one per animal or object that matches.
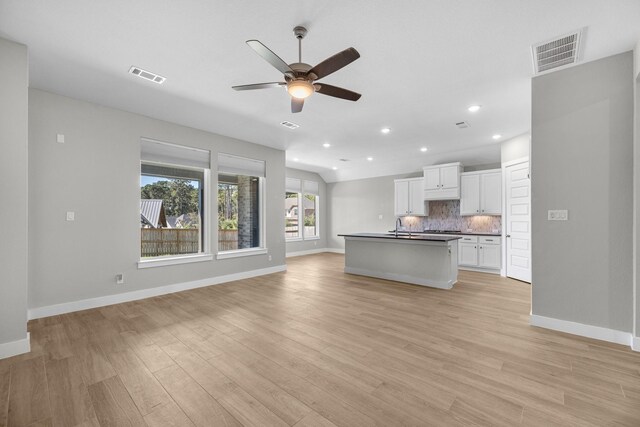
(292, 202)
(152, 213)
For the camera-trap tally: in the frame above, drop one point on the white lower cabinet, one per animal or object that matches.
(482, 252)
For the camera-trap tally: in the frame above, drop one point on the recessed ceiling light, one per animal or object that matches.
(370, 158)
(335, 168)
(385, 130)
(326, 145)
(295, 159)
(496, 136)
(473, 108)
(423, 149)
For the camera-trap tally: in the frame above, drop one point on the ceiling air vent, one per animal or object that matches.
(344, 160)
(462, 125)
(559, 52)
(289, 125)
(147, 75)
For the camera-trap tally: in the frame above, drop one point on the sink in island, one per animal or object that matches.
(418, 259)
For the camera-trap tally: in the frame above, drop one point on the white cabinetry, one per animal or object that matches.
(442, 182)
(409, 198)
(481, 193)
(479, 252)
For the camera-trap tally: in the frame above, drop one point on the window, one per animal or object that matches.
(240, 205)
(301, 207)
(173, 180)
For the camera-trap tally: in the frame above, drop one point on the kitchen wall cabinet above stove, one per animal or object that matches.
(442, 182)
(481, 192)
(409, 197)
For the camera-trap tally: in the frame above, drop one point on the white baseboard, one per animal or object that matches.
(309, 252)
(589, 331)
(68, 307)
(335, 250)
(635, 345)
(15, 348)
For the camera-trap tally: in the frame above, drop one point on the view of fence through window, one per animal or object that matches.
(170, 211)
(238, 212)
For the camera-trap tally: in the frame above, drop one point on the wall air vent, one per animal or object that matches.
(147, 75)
(463, 125)
(560, 52)
(289, 125)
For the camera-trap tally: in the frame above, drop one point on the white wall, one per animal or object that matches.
(14, 81)
(96, 174)
(582, 160)
(515, 148)
(354, 206)
(315, 244)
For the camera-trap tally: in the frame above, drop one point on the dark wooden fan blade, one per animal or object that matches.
(259, 86)
(337, 92)
(333, 64)
(270, 57)
(296, 104)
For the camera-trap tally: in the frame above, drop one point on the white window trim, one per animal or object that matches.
(241, 253)
(301, 227)
(205, 242)
(174, 260)
(317, 212)
(262, 248)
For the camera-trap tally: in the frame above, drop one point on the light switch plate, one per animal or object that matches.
(60, 138)
(71, 216)
(558, 215)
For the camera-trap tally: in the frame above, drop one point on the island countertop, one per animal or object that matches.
(423, 237)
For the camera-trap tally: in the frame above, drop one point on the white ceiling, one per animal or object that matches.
(422, 64)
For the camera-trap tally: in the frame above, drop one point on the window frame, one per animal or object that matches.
(205, 235)
(300, 216)
(262, 248)
(301, 227)
(317, 214)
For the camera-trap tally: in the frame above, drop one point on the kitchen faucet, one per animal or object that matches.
(398, 224)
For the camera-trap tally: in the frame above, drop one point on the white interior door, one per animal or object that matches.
(518, 221)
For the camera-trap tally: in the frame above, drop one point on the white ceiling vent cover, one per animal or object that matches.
(559, 52)
(289, 125)
(147, 75)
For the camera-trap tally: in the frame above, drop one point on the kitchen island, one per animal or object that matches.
(425, 260)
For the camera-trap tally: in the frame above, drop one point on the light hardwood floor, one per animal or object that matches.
(316, 347)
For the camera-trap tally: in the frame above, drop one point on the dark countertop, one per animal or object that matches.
(462, 233)
(413, 236)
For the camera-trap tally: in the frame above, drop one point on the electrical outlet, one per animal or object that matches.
(119, 279)
(71, 216)
(60, 138)
(269, 257)
(380, 216)
(558, 215)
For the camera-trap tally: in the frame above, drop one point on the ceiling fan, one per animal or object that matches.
(300, 78)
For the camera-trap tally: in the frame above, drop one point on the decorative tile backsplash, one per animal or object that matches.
(445, 215)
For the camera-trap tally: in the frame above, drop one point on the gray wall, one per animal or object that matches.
(14, 81)
(515, 148)
(354, 207)
(308, 245)
(96, 174)
(636, 186)
(582, 160)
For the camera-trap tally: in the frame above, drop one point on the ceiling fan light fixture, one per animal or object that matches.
(300, 89)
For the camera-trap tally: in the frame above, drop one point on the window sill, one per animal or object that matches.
(293, 239)
(174, 260)
(312, 238)
(241, 253)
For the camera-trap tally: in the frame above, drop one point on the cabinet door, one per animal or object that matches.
(468, 254)
(470, 194)
(416, 197)
(449, 177)
(402, 198)
(491, 193)
(490, 256)
(432, 179)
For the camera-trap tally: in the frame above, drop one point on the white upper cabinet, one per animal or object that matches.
(442, 182)
(409, 197)
(481, 193)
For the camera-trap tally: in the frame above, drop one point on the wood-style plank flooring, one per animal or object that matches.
(316, 347)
